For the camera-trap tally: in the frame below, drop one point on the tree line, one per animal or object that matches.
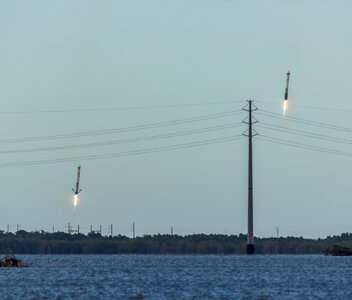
(23, 242)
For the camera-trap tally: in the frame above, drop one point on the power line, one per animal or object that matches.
(123, 154)
(125, 141)
(304, 133)
(81, 110)
(124, 129)
(308, 106)
(304, 121)
(304, 146)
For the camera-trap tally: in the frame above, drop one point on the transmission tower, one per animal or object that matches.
(249, 134)
(133, 230)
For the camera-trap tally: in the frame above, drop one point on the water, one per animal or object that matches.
(178, 277)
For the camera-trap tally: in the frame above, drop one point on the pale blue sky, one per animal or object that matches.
(62, 55)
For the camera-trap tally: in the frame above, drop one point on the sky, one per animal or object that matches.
(69, 67)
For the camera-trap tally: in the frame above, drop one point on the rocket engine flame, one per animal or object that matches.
(284, 107)
(75, 200)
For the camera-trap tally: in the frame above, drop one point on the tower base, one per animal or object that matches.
(250, 249)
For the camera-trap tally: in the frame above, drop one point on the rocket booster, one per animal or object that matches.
(77, 190)
(287, 81)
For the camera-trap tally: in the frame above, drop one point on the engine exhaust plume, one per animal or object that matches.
(75, 200)
(284, 107)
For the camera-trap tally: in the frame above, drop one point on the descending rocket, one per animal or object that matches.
(286, 92)
(287, 81)
(77, 190)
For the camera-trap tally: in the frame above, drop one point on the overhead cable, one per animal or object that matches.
(303, 133)
(81, 110)
(125, 141)
(123, 154)
(123, 129)
(304, 121)
(304, 146)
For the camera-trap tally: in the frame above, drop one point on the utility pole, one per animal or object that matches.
(172, 231)
(249, 134)
(77, 228)
(53, 228)
(8, 228)
(277, 231)
(18, 228)
(133, 230)
(100, 229)
(111, 232)
(68, 228)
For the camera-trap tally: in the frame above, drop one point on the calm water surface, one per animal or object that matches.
(178, 277)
